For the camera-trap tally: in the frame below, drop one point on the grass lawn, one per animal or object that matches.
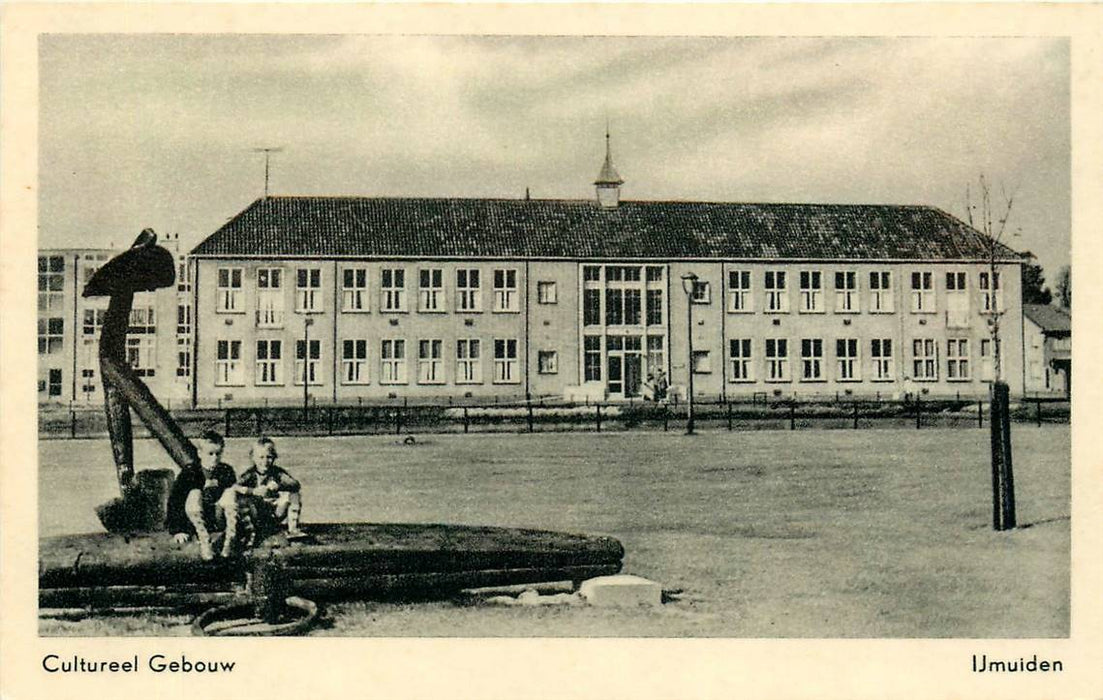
(870, 533)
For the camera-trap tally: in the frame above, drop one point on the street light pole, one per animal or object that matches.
(307, 322)
(689, 284)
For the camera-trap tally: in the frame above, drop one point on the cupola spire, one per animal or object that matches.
(608, 180)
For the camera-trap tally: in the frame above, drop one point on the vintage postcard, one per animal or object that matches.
(534, 351)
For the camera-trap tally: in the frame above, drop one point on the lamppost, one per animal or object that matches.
(307, 323)
(689, 284)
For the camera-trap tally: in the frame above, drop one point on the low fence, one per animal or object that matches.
(533, 416)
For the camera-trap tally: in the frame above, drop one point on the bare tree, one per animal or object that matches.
(991, 220)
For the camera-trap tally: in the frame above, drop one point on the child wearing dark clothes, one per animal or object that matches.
(199, 498)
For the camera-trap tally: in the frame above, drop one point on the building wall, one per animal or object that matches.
(559, 327)
(1042, 376)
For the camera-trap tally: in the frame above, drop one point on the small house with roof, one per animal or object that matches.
(1047, 345)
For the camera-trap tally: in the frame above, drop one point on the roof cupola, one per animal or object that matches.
(608, 180)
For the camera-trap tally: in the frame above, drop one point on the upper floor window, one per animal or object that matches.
(702, 292)
(50, 333)
(51, 283)
(546, 293)
(354, 289)
(991, 297)
(505, 290)
(270, 297)
(430, 289)
(739, 291)
(308, 290)
(654, 307)
(957, 300)
(183, 279)
(622, 273)
(846, 292)
(93, 320)
(654, 273)
(622, 307)
(591, 307)
(777, 295)
(468, 291)
(229, 290)
(393, 286)
(922, 292)
(811, 291)
(591, 273)
(880, 292)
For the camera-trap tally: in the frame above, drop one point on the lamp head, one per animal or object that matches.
(689, 281)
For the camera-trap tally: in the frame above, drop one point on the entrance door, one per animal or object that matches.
(616, 374)
(632, 371)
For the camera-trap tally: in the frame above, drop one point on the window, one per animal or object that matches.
(468, 293)
(654, 273)
(924, 360)
(354, 361)
(702, 293)
(811, 359)
(93, 320)
(183, 358)
(811, 291)
(546, 293)
(505, 361)
(430, 290)
(957, 300)
(987, 366)
(591, 307)
(922, 284)
(50, 332)
(229, 291)
(393, 285)
(183, 279)
(846, 357)
(88, 381)
(269, 362)
(51, 284)
(592, 358)
(228, 369)
(429, 370)
(880, 292)
(777, 297)
(702, 362)
(308, 363)
(547, 362)
(591, 273)
(183, 319)
(777, 360)
(739, 291)
(654, 307)
(392, 356)
(846, 292)
(991, 297)
(739, 359)
(880, 349)
(957, 360)
(141, 341)
(308, 290)
(469, 367)
(622, 274)
(54, 387)
(269, 297)
(622, 307)
(354, 289)
(505, 291)
(656, 357)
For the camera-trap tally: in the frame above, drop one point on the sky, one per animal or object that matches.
(159, 131)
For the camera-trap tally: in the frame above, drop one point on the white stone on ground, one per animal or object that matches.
(621, 590)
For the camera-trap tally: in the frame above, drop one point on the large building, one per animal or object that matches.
(158, 343)
(371, 298)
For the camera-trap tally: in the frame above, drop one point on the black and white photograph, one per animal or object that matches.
(576, 336)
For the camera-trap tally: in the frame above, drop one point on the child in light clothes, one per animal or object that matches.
(271, 494)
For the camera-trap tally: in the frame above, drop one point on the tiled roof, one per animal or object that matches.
(578, 229)
(1049, 318)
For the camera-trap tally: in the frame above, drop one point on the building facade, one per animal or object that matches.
(1047, 345)
(364, 299)
(158, 342)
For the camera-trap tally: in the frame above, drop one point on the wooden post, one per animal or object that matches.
(980, 414)
(793, 416)
(397, 420)
(729, 417)
(1038, 412)
(666, 418)
(918, 412)
(855, 415)
(329, 419)
(1003, 481)
(72, 422)
(226, 419)
(598, 414)
(260, 421)
(530, 416)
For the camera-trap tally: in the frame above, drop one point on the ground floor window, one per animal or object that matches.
(392, 355)
(811, 359)
(739, 359)
(228, 370)
(269, 362)
(307, 360)
(957, 359)
(592, 358)
(53, 388)
(547, 362)
(846, 357)
(429, 362)
(469, 368)
(354, 360)
(924, 360)
(881, 352)
(505, 361)
(777, 360)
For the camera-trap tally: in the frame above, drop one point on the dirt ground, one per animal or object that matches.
(813, 533)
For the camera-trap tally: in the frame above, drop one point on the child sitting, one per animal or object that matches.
(201, 499)
(271, 494)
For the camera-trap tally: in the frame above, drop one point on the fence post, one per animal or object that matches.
(980, 414)
(530, 416)
(666, 417)
(466, 424)
(226, 419)
(329, 419)
(72, 422)
(260, 422)
(918, 411)
(729, 417)
(1003, 481)
(598, 407)
(397, 420)
(793, 416)
(1038, 412)
(855, 415)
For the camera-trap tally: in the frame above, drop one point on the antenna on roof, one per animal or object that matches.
(527, 195)
(267, 151)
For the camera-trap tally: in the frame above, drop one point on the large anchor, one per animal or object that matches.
(145, 267)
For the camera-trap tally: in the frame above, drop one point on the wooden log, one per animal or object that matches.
(133, 596)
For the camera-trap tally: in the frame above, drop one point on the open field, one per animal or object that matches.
(812, 533)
